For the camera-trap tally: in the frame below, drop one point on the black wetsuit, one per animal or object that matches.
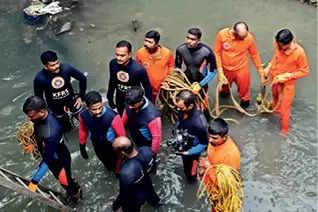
(58, 90)
(193, 58)
(135, 183)
(122, 78)
(196, 125)
(55, 155)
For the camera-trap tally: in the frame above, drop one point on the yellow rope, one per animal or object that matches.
(25, 136)
(263, 107)
(170, 87)
(226, 194)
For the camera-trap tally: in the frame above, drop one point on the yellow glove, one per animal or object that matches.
(32, 186)
(195, 88)
(281, 78)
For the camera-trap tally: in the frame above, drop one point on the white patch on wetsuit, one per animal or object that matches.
(57, 82)
(60, 94)
(122, 76)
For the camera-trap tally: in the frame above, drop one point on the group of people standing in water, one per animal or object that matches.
(133, 87)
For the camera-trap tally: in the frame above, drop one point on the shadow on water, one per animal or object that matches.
(280, 173)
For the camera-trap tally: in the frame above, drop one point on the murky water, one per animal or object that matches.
(280, 174)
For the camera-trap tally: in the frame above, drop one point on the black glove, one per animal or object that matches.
(111, 103)
(116, 204)
(83, 151)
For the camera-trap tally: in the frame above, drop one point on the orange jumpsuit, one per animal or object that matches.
(158, 67)
(227, 153)
(232, 56)
(295, 62)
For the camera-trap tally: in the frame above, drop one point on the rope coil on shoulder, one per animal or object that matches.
(26, 137)
(174, 83)
(225, 193)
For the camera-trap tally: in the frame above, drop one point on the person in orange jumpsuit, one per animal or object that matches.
(231, 48)
(221, 150)
(288, 64)
(156, 59)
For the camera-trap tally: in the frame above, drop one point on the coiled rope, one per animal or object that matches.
(225, 193)
(26, 137)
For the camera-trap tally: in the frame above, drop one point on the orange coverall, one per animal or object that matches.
(232, 57)
(227, 153)
(295, 62)
(158, 67)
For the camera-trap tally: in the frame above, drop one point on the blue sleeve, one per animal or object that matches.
(50, 148)
(40, 172)
(178, 60)
(80, 77)
(212, 61)
(37, 87)
(208, 78)
(197, 149)
(145, 83)
(111, 83)
(111, 135)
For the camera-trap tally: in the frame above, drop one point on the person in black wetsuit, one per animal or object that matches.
(192, 120)
(125, 72)
(104, 126)
(135, 186)
(55, 155)
(54, 81)
(196, 57)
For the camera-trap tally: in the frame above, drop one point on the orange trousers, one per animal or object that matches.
(242, 80)
(286, 101)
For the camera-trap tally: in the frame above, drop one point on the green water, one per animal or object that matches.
(280, 174)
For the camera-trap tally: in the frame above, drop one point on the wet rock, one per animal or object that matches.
(66, 27)
(27, 40)
(135, 24)
(46, 1)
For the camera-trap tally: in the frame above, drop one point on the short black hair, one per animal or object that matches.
(187, 97)
(240, 22)
(218, 126)
(48, 56)
(92, 97)
(134, 95)
(284, 36)
(195, 31)
(124, 43)
(34, 103)
(153, 35)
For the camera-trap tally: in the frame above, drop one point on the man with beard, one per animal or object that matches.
(55, 155)
(193, 121)
(135, 186)
(156, 59)
(125, 72)
(196, 56)
(231, 49)
(104, 126)
(143, 120)
(54, 80)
